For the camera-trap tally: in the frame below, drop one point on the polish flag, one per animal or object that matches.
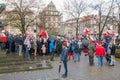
(112, 34)
(43, 33)
(86, 31)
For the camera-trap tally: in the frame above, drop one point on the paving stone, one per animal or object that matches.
(76, 71)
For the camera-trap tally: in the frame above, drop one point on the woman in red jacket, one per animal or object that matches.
(3, 40)
(100, 52)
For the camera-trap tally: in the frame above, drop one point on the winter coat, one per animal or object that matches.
(3, 38)
(27, 43)
(108, 39)
(91, 48)
(64, 54)
(85, 43)
(76, 48)
(100, 50)
(113, 49)
(108, 49)
(10, 39)
(20, 40)
(51, 46)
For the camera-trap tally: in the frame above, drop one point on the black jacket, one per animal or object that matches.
(113, 48)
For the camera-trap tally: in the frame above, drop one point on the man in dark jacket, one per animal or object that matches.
(17, 43)
(113, 49)
(64, 59)
(10, 41)
(20, 40)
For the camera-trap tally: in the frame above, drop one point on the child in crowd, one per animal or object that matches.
(43, 49)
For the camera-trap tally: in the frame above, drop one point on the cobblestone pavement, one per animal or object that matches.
(77, 71)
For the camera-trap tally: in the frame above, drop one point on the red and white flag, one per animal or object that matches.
(86, 31)
(43, 33)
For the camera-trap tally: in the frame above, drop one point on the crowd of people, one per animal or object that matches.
(27, 45)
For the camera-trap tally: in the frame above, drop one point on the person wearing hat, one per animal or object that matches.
(64, 58)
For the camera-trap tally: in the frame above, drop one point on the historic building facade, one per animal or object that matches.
(50, 18)
(89, 22)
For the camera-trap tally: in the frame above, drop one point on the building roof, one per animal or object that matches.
(50, 8)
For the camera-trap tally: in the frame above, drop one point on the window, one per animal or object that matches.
(46, 13)
(56, 13)
(49, 8)
(48, 18)
(56, 19)
(59, 18)
(51, 13)
(56, 25)
(51, 18)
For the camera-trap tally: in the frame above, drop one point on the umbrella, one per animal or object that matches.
(59, 69)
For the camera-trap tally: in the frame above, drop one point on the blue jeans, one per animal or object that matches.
(27, 54)
(16, 48)
(65, 67)
(76, 55)
(2, 46)
(10, 48)
(100, 61)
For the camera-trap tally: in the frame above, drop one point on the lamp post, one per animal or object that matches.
(62, 24)
(2, 8)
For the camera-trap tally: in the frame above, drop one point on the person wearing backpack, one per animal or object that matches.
(76, 51)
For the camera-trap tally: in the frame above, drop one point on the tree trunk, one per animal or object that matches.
(119, 28)
(77, 26)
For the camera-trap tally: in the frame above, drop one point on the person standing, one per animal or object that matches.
(113, 49)
(3, 40)
(70, 52)
(91, 52)
(64, 59)
(20, 45)
(76, 52)
(108, 54)
(28, 46)
(43, 49)
(100, 52)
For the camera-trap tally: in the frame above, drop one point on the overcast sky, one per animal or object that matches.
(60, 3)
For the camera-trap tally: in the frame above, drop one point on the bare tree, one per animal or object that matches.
(22, 9)
(74, 8)
(104, 10)
(118, 14)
